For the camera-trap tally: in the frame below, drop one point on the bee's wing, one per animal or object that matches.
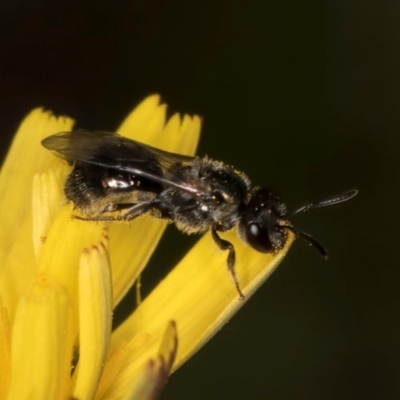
(111, 150)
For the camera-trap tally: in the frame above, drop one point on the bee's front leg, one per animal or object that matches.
(225, 245)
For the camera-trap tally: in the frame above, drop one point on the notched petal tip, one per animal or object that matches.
(146, 121)
(169, 345)
(153, 377)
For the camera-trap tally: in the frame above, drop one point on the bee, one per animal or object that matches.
(118, 179)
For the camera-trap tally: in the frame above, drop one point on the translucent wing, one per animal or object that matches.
(111, 150)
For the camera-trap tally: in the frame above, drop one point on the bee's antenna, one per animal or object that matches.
(308, 239)
(329, 202)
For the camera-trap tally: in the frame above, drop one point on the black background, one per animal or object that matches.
(303, 96)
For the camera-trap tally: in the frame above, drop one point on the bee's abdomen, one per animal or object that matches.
(90, 187)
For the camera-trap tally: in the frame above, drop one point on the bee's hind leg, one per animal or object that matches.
(131, 211)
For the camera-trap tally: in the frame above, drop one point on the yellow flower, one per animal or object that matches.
(61, 278)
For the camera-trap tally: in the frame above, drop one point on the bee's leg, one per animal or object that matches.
(225, 245)
(139, 209)
(132, 212)
(112, 207)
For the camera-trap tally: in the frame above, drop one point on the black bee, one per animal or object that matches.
(115, 178)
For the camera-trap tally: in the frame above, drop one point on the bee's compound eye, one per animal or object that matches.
(258, 238)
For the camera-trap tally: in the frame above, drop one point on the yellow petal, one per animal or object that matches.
(47, 201)
(95, 311)
(26, 156)
(17, 273)
(180, 136)
(189, 135)
(41, 343)
(64, 243)
(146, 122)
(199, 295)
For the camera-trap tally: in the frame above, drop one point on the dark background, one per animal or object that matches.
(302, 95)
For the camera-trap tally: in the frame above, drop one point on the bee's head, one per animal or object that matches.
(264, 224)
